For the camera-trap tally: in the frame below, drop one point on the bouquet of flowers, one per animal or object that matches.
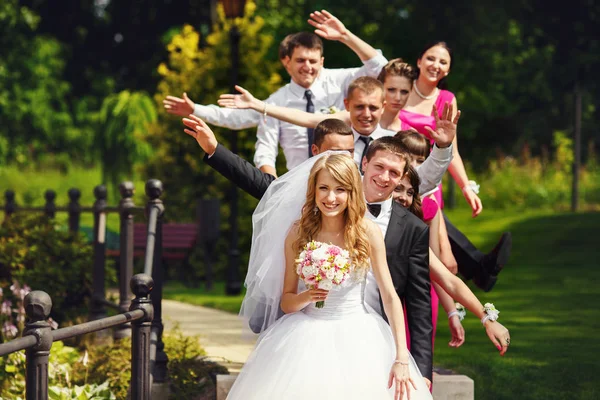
(321, 266)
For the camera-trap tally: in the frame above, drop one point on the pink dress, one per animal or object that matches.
(430, 207)
(420, 121)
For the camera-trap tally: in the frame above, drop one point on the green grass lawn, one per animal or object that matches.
(547, 295)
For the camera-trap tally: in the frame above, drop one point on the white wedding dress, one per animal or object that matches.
(338, 352)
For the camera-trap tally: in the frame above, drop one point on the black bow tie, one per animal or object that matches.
(374, 209)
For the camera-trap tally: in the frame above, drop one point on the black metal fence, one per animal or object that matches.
(38, 338)
(153, 268)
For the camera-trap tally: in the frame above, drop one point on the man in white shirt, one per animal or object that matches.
(312, 88)
(365, 104)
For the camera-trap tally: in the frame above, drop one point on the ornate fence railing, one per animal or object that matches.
(38, 338)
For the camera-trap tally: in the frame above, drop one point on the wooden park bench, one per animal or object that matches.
(178, 240)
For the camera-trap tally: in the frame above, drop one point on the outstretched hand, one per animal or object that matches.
(327, 26)
(401, 377)
(202, 133)
(474, 201)
(179, 106)
(499, 335)
(243, 100)
(445, 125)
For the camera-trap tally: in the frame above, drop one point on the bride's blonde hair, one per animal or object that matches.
(343, 169)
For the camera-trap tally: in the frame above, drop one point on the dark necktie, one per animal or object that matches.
(367, 141)
(310, 107)
(374, 209)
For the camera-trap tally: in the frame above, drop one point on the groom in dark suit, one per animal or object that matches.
(407, 237)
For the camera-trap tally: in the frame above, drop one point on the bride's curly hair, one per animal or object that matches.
(343, 169)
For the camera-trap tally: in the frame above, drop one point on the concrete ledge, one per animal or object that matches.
(446, 386)
(224, 384)
(453, 387)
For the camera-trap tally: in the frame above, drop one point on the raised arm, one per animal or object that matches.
(239, 171)
(456, 288)
(226, 118)
(393, 310)
(291, 115)
(330, 28)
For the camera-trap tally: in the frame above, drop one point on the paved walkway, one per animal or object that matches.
(221, 333)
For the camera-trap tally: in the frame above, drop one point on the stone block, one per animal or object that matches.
(448, 386)
(224, 384)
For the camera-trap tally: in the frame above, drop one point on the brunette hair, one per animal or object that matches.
(301, 39)
(392, 145)
(414, 143)
(330, 126)
(415, 182)
(343, 169)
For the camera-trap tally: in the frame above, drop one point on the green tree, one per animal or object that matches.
(121, 138)
(204, 74)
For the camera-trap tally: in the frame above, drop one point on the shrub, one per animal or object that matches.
(35, 250)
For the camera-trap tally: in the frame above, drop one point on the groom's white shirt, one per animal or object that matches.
(382, 221)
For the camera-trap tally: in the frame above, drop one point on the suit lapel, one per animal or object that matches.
(395, 229)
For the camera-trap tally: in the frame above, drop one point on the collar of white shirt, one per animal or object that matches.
(376, 134)
(316, 88)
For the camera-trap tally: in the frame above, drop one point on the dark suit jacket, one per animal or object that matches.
(407, 247)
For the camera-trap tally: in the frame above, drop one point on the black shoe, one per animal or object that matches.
(486, 282)
(496, 259)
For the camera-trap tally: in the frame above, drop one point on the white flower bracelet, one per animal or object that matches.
(459, 311)
(472, 186)
(491, 314)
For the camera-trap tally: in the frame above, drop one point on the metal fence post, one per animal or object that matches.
(37, 307)
(141, 285)
(50, 206)
(154, 189)
(74, 210)
(10, 206)
(126, 253)
(97, 309)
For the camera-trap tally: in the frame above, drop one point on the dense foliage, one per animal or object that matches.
(37, 252)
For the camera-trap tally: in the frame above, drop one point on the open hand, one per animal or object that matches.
(499, 335)
(179, 106)
(445, 125)
(243, 100)
(400, 375)
(474, 201)
(328, 26)
(202, 133)
(457, 331)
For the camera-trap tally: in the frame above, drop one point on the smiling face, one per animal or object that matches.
(396, 89)
(404, 193)
(365, 110)
(304, 65)
(331, 197)
(382, 173)
(434, 65)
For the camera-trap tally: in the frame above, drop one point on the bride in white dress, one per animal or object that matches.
(340, 351)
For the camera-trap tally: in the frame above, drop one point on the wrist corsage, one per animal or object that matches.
(472, 186)
(491, 314)
(460, 312)
(329, 110)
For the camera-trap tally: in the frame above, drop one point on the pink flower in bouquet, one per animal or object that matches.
(322, 266)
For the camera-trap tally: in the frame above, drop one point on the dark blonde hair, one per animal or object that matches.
(343, 169)
(397, 67)
(415, 143)
(365, 84)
